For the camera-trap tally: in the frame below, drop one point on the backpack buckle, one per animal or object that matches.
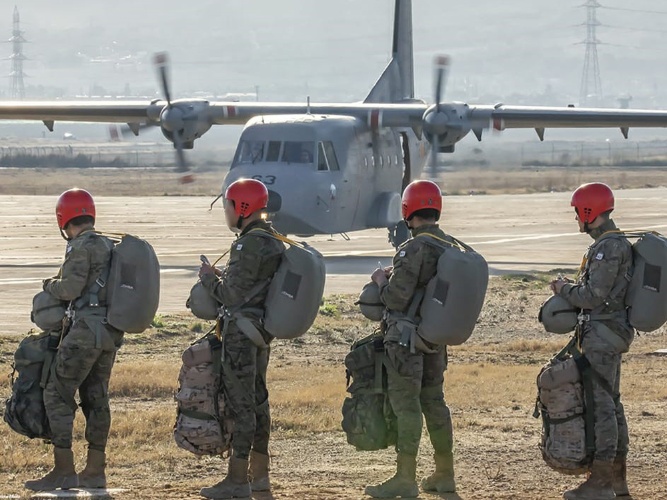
(583, 318)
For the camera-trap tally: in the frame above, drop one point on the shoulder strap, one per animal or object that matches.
(443, 243)
(91, 296)
(277, 236)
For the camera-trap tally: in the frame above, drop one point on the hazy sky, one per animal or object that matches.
(514, 51)
(336, 49)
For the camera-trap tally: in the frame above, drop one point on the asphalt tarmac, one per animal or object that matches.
(515, 233)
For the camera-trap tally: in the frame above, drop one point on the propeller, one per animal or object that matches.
(181, 121)
(435, 121)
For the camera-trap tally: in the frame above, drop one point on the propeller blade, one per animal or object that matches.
(161, 62)
(433, 164)
(441, 66)
(180, 154)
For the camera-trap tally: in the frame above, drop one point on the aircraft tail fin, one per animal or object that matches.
(397, 80)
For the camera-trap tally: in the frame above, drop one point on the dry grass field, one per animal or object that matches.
(158, 182)
(490, 387)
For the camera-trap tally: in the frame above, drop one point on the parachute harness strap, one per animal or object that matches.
(457, 243)
(279, 237)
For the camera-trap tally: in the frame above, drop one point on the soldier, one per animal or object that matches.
(415, 374)
(599, 291)
(87, 352)
(253, 260)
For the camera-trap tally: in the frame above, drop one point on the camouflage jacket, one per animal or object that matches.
(253, 259)
(415, 264)
(603, 278)
(86, 257)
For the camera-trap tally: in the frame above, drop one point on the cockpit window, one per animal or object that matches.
(331, 156)
(298, 152)
(273, 153)
(250, 152)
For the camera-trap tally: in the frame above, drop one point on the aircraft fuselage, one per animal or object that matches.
(327, 174)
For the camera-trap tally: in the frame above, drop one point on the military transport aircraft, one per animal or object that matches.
(335, 168)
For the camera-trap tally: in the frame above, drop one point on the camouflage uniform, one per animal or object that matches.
(86, 355)
(600, 290)
(253, 259)
(415, 379)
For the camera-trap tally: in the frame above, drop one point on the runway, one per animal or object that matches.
(515, 233)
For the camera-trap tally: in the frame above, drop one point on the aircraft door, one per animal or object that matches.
(329, 189)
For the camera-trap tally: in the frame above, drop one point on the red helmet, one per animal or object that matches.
(74, 203)
(420, 195)
(248, 195)
(591, 200)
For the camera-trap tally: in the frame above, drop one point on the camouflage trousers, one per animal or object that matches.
(415, 387)
(79, 365)
(244, 374)
(611, 427)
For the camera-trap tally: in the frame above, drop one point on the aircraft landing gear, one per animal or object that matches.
(398, 234)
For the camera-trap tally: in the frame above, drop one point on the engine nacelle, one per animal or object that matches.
(449, 121)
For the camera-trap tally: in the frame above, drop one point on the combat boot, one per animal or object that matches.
(235, 485)
(442, 480)
(259, 472)
(93, 475)
(598, 486)
(620, 481)
(402, 484)
(62, 475)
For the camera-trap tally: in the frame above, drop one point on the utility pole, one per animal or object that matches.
(17, 89)
(590, 92)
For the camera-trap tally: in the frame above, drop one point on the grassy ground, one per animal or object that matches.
(490, 387)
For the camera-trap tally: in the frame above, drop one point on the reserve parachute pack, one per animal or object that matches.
(368, 420)
(132, 282)
(295, 291)
(565, 403)
(646, 298)
(202, 426)
(454, 297)
(24, 410)
(48, 312)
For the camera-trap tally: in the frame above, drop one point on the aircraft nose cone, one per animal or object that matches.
(275, 202)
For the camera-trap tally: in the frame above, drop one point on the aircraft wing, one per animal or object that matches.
(567, 117)
(445, 117)
(79, 111)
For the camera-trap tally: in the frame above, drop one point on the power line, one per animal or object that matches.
(635, 10)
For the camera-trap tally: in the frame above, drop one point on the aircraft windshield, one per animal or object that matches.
(273, 151)
(250, 152)
(298, 152)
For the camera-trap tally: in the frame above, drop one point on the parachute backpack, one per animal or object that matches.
(202, 426)
(132, 282)
(295, 291)
(368, 420)
(454, 297)
(646, 298)
(565, 403)
(24, 410)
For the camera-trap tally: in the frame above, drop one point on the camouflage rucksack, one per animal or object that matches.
(565, 403)
(368, 420)
(202, 424)
(24, 410)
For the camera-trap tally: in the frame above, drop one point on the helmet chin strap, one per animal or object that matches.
(239, 222)
(64, 235)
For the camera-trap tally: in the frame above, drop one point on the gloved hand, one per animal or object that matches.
(46, 282)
